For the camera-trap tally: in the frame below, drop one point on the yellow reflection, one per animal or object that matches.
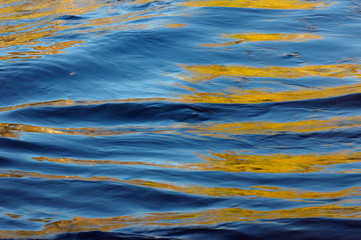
(207, 217)
(12, 130)
(37, 24)
(69, 102)
(228, 129)
(22, 174)
(42, 50)
(266, 4)
(22, 34)
(274, 163)
(256, 191)
(56, 103)
(240, 96)
(176, 25)
(192, 218)
(207, 72)
(57, 47)
(34, 24)
(44, 8)
(232, 161)
(256, 37)
(115, 162)
(235, 96)
(223, 130)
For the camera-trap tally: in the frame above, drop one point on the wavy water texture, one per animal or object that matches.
(222, 130)
(210, 217)
(180, 119)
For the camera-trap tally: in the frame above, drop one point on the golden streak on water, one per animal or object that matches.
(266, 128)
(240, 96)
(176, 25)
(235, 96)
(44, 25)
(37, 34)
(192, 218)
(69, 102)
(113, 162)
(44, 8)
(33, 36)
(255, 191)
(22, 174)
(42, 50)
(265, 4)
(233, 161)
(12, 130)
(222, 130)
(208, 72)
(257, 37)
(201, 73)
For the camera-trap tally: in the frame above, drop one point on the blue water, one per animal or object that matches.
(153, 120)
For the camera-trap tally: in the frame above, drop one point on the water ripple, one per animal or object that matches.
(180, 119)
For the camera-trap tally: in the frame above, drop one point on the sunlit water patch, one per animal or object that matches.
(180, 119)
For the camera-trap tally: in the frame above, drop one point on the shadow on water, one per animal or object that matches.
(211, 119)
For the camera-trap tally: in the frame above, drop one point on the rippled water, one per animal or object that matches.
(185, 119)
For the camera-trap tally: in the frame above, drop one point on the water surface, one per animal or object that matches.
(183, 119)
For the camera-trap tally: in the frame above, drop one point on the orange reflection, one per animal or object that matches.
(256, 37)
(192, 218)
(266, 4)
